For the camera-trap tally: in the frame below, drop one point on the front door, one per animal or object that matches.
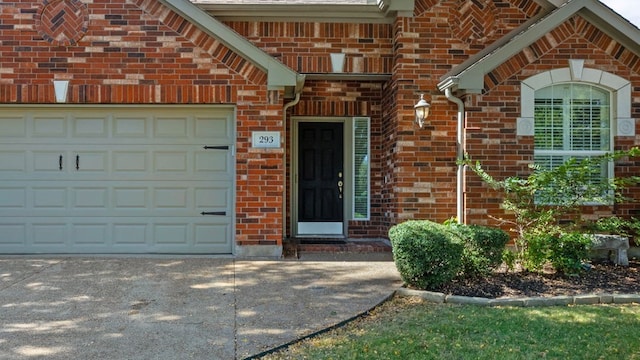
(320, 178)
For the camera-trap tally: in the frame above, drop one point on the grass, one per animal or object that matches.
(407, 328)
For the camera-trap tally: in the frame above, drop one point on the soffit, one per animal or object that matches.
(469, 76)
(347, 11)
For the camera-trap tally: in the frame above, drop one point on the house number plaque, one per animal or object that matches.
(265, 139)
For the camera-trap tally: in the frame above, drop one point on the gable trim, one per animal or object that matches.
(279, 76)
(469, 76)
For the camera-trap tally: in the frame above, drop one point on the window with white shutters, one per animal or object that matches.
(572, 121)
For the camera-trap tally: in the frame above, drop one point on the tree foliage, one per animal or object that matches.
(540, 200)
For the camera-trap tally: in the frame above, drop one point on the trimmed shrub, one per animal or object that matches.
(569, 251)
(483, 248)
(425, 254)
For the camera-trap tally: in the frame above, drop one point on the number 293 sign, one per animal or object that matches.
(265, 139)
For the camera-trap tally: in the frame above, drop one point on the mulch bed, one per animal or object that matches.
(602, 278)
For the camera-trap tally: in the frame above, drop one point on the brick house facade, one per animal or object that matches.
(312, 150)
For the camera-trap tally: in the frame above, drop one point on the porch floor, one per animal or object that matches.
(373, 249)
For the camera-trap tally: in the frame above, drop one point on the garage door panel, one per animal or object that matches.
(170, 198)
(13, 161)
(174, 234)
(130, 127)
(90, 127)
(212, 161)
(130, 233)
(49, 197)
(50, 126)
(213, 128)
(12, 234)
(212, 197)
(94, 161)
(208, 234)
(131, 181)
(90, 198)
(13, 198)
(12, 126)
(47, 233)
(130, 162)
(170, 127)
(50, 161)
(170, 161)
(130, 198)
(94, 234)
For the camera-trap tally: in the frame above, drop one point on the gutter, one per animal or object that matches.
(459, 156)
(284, 159)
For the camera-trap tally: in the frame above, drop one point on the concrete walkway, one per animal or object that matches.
(177, 307)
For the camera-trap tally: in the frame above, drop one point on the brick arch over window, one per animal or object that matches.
(624, 125)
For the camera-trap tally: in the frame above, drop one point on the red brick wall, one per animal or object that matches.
(492, 115)
(306, 48)
(141, 52)
(421, 163)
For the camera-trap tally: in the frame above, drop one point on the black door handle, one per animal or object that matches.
(77, 162)
(60, 161)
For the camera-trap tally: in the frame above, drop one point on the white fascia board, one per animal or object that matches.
(279, 76)
(308, 12)
(614, 25)
(402, 8)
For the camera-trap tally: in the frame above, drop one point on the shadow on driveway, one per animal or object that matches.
(176, 307)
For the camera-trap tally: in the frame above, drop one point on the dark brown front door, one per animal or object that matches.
(321, 174)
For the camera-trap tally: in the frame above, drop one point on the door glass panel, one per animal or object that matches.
(361, 166)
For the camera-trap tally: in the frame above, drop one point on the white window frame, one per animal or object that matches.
(567, 151)
(620, 89)
(355, 168)
(622, 124)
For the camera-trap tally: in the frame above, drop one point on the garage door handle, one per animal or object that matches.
(77, 162)
(222, 147)
(60, 162)
(219, 213)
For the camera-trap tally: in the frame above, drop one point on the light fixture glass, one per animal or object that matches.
(422, 111)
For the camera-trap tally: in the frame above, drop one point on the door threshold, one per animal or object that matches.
(318, 239)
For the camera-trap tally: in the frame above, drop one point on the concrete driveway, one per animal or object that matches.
(177, 307)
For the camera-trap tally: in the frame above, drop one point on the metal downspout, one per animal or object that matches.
(459, 156)
(284, 162)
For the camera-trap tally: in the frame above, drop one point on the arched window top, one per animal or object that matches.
(577, 73)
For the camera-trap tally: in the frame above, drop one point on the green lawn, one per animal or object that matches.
(407, 328)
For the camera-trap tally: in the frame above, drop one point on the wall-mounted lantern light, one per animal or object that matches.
(422, 111)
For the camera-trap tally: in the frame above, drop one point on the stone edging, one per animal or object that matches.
(591, 299)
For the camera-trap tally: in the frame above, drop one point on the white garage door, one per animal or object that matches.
(116, 180)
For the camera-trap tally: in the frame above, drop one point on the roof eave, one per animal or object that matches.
(385, 12)
(470, 75)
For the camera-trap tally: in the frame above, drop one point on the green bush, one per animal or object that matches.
(425, 254)
(537, 252)
(566, 252)
(569, 251)
(483, 248)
